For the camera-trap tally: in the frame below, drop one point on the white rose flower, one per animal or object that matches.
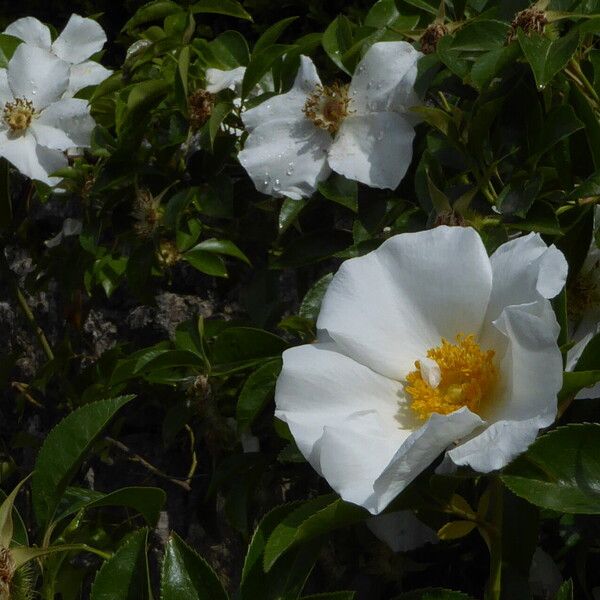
(584, 298)
(360, 130)
(37, 123)
(426, 345)
(80, 39)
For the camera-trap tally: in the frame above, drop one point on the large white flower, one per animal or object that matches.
(360, 130)
(37, 123)
(426, 345)
(80, 39)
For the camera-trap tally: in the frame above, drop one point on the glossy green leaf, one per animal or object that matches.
(313, 518)
(272, 34)
(311, 303)
(147, 501)
(290, 209)
(337, 40)
(547, 57)
(575, 381)
(125, 575)
(259, 64)
(206, 262)
(256, 393)
(63, 451)
(231, 8)
(590, 357)
(560, 471)
(218, 114)
(341, 190)
(6, 516)
(225, 247)
(152, 11)
(187, 576)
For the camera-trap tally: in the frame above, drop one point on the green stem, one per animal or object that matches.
(494, 540)
(32, 322)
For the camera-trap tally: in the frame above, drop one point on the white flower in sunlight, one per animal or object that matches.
(426, 345)
(360, 130)
(37, 123)
(583, 301)
(80, 39)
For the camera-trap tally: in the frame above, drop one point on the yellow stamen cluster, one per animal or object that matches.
(530, 20)
(146, 213)
(328, 106)
(468, 375)
(18, 114)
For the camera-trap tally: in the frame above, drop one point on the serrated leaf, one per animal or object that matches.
(187, 576)
(313, 518)
(63, 451)
(125, 575)
(560, 471)
(256, 392)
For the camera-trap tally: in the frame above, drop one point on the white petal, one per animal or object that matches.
(85, 74)
(319, 387)
(80, 38)
(498, 445)
(525, 270)
(30, 159)
(385, 77)
(64, 124)
(287, 107)
(402, 530)
(375, 149)
(286, 158)
(37, 75)
(6, 94)
(32, 31)
(419, 451)
(217, 80)
(387, 308)
(531, 368)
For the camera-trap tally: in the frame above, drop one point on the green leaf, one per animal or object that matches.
(125, 575)
(566, 591)
(6, 516)
(206, 262)
(147, 501)
(8, 45)
(226, 247)
(589, 359)
(559, 124)
(217, 116)
(231, 8)
(256, 392)
(480, 35)
(592, 127)
(313, 518)
(286, 578)
(243, 346)
(153, 11)
(187, 576)
(337, 40)
(290, 209)
(259, 64)
(575, 381)
(433, 594)
(560, 471)
(311, 303)
(547, 57)
(181, 77)
(63, 451)
(272, 34)
(490, 64)
(341, 190)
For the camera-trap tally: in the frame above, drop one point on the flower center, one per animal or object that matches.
(452, 376)
(18, 114)
(328, 106)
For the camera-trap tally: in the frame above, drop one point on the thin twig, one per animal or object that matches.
(150, 467)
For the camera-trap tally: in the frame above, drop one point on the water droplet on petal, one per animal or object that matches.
(290, 169)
